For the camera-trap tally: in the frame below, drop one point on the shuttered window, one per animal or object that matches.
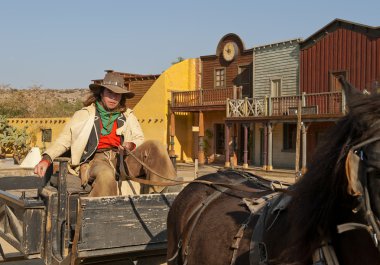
(220, 78)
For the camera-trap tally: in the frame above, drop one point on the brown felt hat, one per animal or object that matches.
(115, 83)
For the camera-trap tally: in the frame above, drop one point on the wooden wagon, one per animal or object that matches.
(59, 224)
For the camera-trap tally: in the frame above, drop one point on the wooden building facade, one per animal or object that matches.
(258, 119)
(340, 48)
(225, 74)
(258, 110)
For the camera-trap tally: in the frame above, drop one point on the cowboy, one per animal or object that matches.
(97, 134)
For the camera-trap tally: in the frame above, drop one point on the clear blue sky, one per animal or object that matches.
(66, 44)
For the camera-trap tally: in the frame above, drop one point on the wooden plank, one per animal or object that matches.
(33, 231)
(120, 221)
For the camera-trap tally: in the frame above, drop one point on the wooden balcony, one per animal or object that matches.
(323, 105)
(319, 105)
(203, 99)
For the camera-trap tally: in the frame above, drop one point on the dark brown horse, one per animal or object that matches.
(330, 216)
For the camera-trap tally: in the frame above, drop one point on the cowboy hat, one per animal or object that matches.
(115, 83)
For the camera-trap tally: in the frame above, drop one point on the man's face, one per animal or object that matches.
(110, 98)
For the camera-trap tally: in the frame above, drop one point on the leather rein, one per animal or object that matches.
(174, 182)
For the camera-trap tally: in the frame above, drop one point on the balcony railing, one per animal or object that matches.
(204, 97)
(312, 104)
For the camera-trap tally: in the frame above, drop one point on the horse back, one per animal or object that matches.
(205, 218)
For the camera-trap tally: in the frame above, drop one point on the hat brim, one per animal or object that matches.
(115, 89)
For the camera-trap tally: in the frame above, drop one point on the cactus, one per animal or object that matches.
(4, 138)
(13, 140)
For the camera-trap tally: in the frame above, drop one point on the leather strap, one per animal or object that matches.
(173, 182)
(195, 215)
(325, 255)
(353, 226)
(237, 238)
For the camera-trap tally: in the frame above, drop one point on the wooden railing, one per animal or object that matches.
(327, 103)
(312, 104)
(204, 97)
(247, 107)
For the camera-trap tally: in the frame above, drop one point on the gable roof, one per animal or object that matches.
(373, 32)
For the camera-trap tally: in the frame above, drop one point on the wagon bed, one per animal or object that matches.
(61, 225)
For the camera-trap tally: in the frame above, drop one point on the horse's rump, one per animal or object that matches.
(217, 212)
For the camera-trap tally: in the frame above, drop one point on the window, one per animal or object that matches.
(220, 78)
(290, 133)
(244, 78)
(275, 90)
(219, 139)
(244, 74)
(335, 85)
(46, 135)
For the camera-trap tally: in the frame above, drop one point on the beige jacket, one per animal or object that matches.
(77, 131)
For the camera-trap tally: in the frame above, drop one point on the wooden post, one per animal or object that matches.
(304, 157)
(201, 153)
(227, 145)
(265, 153)
(172, 133)
(245, 163)
(245, 108)
(196, 168)
(228, 108)
(235, 144)
(270, 107)
(270, 146)
(172, 155)
(299, 112)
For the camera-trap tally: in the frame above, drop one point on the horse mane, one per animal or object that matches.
(323, 189)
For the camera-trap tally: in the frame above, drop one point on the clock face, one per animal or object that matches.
(230, 50)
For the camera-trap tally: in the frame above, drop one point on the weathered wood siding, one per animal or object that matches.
(276, 61)
(212, 62)
(343, 47)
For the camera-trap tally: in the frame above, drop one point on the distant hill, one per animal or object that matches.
(40, 102)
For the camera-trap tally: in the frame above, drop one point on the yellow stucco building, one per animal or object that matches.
(153, 109)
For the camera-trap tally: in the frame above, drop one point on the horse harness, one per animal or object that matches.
(257, 207)
(325, 255)
(272, 205)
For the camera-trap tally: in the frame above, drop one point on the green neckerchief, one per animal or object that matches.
(107, 118)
